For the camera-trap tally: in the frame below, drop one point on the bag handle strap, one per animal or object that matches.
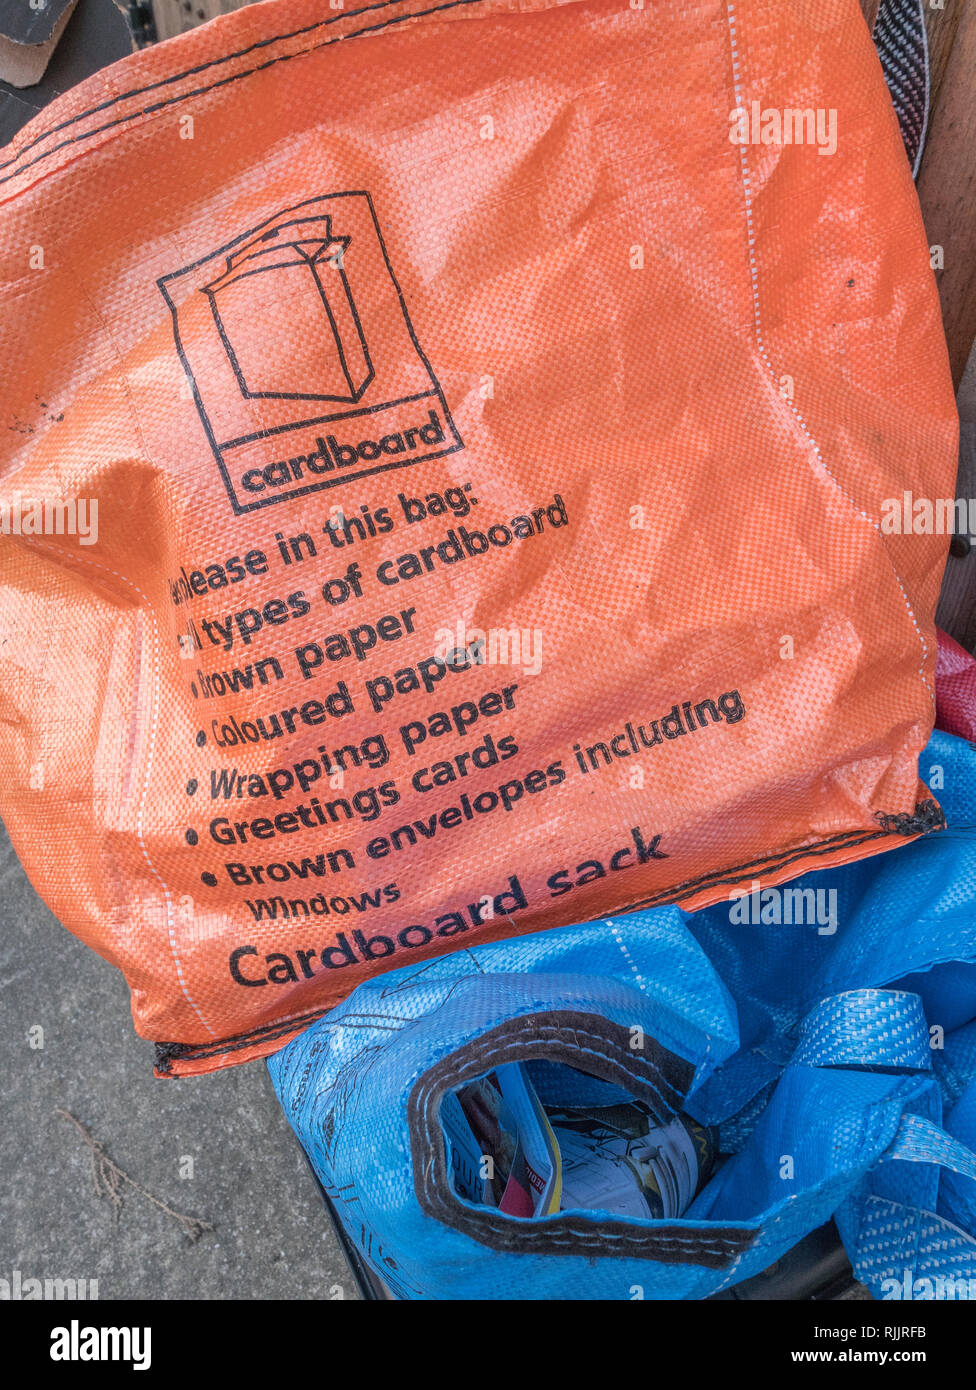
(919, 1140)
(866, 1028)
(901, 40)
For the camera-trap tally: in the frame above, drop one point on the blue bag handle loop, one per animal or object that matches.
(899, 1249)
(904, 1251)
(866, 1028)
(918, 1140)
(884, 1028)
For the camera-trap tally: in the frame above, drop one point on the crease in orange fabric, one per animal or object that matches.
(443, 487)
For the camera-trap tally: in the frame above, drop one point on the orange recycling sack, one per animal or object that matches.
(448, 475)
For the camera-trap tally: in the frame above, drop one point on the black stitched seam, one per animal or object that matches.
(478, 1055)
(509, 1039)
(774, 862)
(658, 1082)
(681, 1245)
(234, 77)
(191, 72)
(168, 1052)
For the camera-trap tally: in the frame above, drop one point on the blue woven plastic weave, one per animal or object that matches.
(837, 1059)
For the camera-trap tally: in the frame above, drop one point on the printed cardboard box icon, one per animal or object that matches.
(287, 318)
(293, 332)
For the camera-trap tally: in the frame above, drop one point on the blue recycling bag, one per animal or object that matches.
(825, 1030)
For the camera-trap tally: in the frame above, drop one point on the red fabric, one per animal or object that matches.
(955, 688)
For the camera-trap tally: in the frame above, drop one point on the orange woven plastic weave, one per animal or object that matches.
(388, 332)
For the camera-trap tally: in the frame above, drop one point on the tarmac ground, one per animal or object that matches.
(215, 1147)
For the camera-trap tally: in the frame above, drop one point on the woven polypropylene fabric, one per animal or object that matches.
(899, 1245)
(891, 1029)
(613, 328)
(834, 1052)
(955, 688)
(902, 43)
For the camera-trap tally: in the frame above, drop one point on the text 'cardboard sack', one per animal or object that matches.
(454, 484)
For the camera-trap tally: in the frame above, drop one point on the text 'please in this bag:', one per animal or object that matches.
(443, 482)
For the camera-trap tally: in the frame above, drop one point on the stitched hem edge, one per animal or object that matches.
(928, 819)
(601, 1048)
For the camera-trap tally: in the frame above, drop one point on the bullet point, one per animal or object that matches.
(210, 880)
(191, 786)
(191, 837)
(201, 739)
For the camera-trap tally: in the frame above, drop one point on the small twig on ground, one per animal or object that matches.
(109, 1180)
